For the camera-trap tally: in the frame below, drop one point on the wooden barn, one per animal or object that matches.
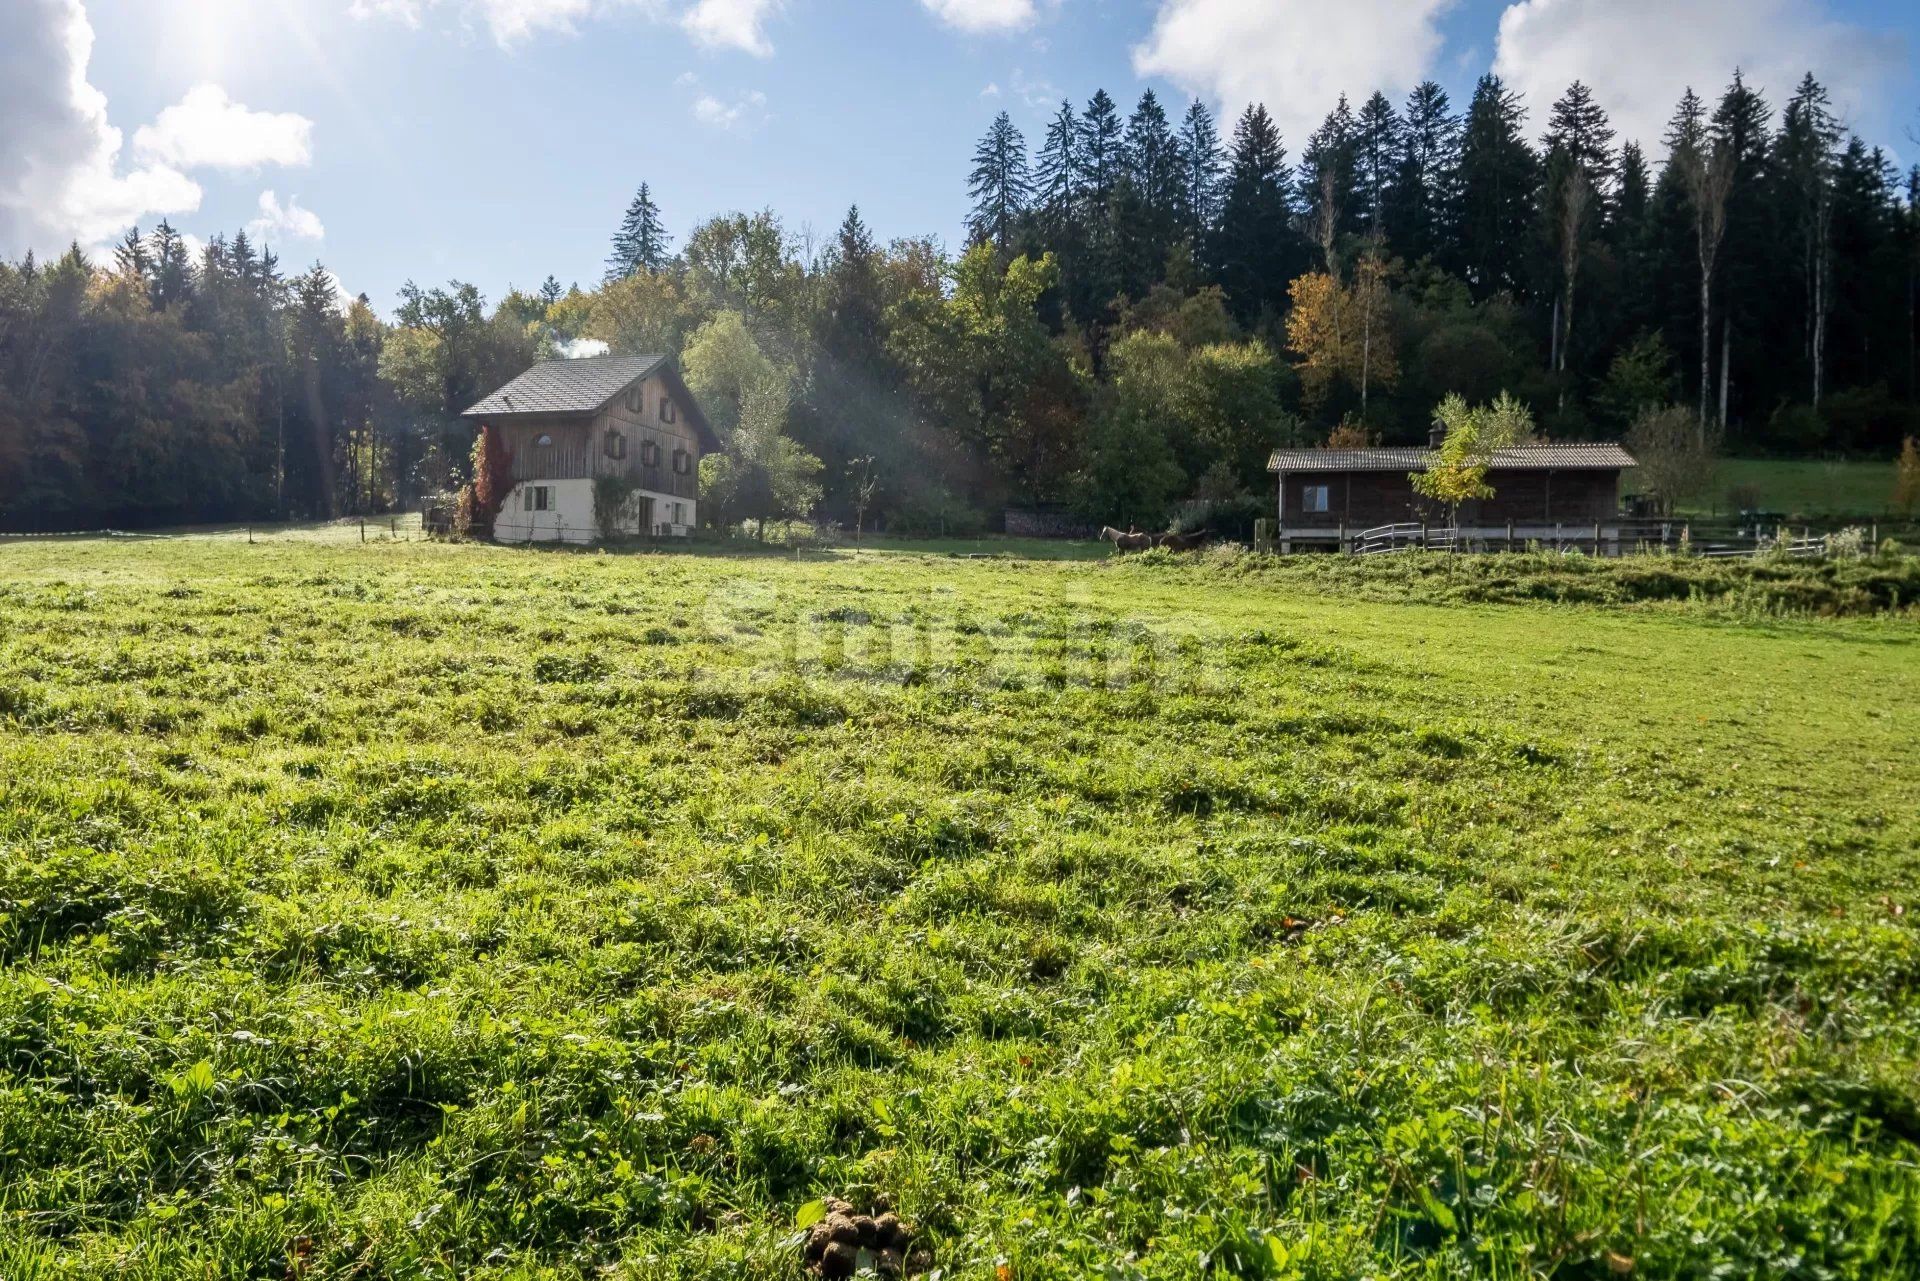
(1546, 492)
(568, 423)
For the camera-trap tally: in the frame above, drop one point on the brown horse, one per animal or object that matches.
(1126, 541)
(1184, 542)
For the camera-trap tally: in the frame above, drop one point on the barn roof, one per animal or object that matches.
(586, 386)
(1542, 456)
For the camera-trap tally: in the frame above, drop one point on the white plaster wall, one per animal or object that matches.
(568, 518)
(569, 515)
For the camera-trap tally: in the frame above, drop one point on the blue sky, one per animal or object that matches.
(499, 140)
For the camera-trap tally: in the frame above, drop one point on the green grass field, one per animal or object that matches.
(1801, 489)
(419, 911)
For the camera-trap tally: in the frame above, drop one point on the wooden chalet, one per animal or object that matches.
(568, 423)
(1547, 492)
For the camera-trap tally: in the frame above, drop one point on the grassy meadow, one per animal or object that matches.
(410, 910)
(1822, 490)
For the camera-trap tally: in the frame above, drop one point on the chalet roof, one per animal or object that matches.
(567, 386)
(1541, 456)
(586, 385)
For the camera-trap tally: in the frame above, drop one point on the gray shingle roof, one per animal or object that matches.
(566, 386)
(1543, 456)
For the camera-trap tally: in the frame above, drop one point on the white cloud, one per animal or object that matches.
(744, 112)
(60, 173)
(1545, 45)
(992, 90)
(983, 16)
(207, 128)
(731, 24)
(280, 223)
(1296, 56)
(578, 348)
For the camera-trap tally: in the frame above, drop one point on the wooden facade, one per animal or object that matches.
(1362, 499)
(578, 448)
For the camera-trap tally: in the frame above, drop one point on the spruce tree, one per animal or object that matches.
(1422, 193)
(1804, 158)
(1253, 246)
(1377, 147)
(1000, 184)
(1579, 176)
(1061, 177)
(1101, 148)
(172, 280)
(1328, 180)
(1499, 175)
(1148, 199)
(1099, 276)
(130, 257)
(1200, 165)
(550, 291)
(641, 243)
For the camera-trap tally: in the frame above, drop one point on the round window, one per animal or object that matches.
(543, 439)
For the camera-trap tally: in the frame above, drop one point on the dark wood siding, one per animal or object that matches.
(1362, 499)
(567, 458)
(579, 445)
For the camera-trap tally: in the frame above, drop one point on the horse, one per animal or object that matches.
(1184, 542)
(1126, 541)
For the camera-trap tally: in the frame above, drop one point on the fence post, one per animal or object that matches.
(1423, 535)
(1509, 535)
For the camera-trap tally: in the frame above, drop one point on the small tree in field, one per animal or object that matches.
(1473, 435)
(1677, 459)
(1906, 477)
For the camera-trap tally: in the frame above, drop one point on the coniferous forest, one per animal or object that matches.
(1147, 303)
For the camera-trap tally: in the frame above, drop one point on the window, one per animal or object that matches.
(666, 409)
(679, 513)
(636, 401)
(616, 444)
(536, 497)
(543, 440)
(1313, 498)
(650, 453)
(682, 462)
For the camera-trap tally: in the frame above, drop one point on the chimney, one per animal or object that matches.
(1436, 434)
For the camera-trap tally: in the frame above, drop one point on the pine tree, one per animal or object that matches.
(550, 291)
(641, 243)
(1426, 174)
(1253, 244)
(1001, 185)
(1498, 177)
(1377, 146)
(1200, 165)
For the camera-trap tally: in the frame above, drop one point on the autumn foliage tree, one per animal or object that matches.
(492, 480)
(1474, 433)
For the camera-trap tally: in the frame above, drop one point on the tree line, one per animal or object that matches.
(1142, 311)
